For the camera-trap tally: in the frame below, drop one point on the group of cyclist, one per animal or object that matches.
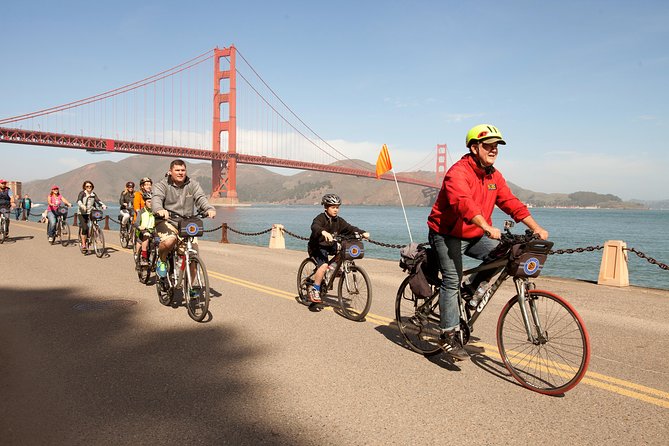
(460, 221)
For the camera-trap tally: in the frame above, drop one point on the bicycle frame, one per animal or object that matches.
(177, 276)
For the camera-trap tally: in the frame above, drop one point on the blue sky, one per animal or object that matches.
(578, 88)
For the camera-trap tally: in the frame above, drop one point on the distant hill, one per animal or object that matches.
(256, 184)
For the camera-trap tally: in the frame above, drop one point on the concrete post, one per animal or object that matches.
(106, 228)
(277, 240)
(613, 270)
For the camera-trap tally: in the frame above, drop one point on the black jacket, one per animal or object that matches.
(333, 225)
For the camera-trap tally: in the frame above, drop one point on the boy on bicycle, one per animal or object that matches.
(323, 230)
(144, 228)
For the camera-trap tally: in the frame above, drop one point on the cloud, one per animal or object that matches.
(627, 176)
(459, 117)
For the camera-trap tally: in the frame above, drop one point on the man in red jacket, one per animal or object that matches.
(461, 217)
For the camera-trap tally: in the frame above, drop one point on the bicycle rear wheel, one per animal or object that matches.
(355, 293)
(305, 274)
(558, 358)
(64, 233)
(196, 288)
(98, 241)
(2, 231)
(418, 319)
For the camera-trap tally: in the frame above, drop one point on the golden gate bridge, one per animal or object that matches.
(166, 114)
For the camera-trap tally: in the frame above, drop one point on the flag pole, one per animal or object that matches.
(402, 203)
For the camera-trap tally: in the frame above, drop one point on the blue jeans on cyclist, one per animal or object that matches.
(450, 250)
(51, 227)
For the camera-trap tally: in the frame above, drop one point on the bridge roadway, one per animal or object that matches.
(89, 357)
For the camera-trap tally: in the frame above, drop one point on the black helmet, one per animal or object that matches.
(331, 200)
(129, 184)
(145, 180)
(147, 195)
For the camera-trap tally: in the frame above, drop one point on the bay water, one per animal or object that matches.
(568, 229)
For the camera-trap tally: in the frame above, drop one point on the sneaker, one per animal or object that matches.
(143, 261)
(161, 268)
(50, 239)
(314, 295)
(450, 342)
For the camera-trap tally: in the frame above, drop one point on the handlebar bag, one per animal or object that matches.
(527, 259)
(191, 227)
(62, 210)
(353, 249)
(96, 214)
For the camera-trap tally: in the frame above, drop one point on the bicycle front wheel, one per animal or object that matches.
(196, 288)
(557, 358)
(98, 241)
(355, 293)
(418, 319)
(2, 231)
(305, 275)
(124, 236)
(64, 234)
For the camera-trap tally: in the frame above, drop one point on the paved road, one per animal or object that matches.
(89, 357)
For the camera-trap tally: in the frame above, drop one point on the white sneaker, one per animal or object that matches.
(50, 239)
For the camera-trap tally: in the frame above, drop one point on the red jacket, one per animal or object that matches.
(466, 192)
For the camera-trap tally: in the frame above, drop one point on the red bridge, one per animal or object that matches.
(164, 114)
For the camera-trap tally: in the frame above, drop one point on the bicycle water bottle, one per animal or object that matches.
(478, 295)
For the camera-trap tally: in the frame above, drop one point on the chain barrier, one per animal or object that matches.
(249, 233)
(650, 260)
(571, 251)
(215, 229)
(385, 245)
(295, 235)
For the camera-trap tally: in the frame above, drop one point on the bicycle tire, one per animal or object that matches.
(98, 241)
(304, 274)
(418, 323)
(64, 234)
(124, 236)
(355, 293)
(2, 231)
(196, 289)
(554, 365)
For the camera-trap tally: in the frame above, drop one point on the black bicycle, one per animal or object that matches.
(62, 232)
(4, 224)
(127, 231)
(185, 270)
(541, 338)
(144, 269)
(96, 237)
(354, 290)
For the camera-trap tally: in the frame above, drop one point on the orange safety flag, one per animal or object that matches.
(383, 163)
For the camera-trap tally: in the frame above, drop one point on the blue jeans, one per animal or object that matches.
(51, 228)
(450, 250)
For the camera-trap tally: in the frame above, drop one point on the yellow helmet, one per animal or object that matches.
(484, 132)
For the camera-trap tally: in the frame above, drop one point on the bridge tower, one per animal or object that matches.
(224, 173)
(441, 164)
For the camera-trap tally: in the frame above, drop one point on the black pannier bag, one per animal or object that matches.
(415, 260)
(191, 227)
(353, 249)
(528, 258)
